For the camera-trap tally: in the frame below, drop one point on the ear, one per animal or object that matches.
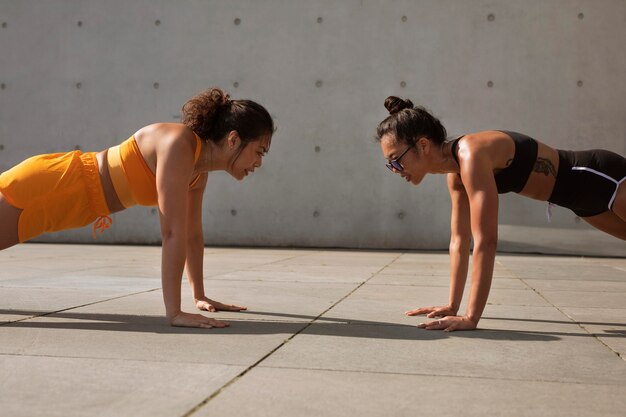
(424, 145)
(233, 140)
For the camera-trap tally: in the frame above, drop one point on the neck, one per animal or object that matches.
(211, 158)
(445, 162)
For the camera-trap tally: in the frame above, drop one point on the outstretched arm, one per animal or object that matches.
(460, 238)
(195, 250)
(477, 176)
(175, 165)
(483, 197)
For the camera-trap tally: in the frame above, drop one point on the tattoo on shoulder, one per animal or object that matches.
(544, 166)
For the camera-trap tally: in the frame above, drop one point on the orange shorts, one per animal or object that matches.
(55, 191)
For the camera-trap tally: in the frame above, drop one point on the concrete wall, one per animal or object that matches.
(87, 74)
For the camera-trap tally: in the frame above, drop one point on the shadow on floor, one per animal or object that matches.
(322, 326)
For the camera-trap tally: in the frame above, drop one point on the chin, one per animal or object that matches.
(238, 176)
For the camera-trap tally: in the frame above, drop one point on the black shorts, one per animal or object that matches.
(587, 181)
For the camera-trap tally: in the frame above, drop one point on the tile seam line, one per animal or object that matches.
(78, 306)
(523, 280)
(288, 258)
(213, 395)
(488, 378)
(573, 321)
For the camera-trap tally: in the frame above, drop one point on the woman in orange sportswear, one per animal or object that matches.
(164, 165)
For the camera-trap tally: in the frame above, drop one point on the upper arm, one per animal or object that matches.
(482, 195)
(175, 162)
(194, 206)
(460, 216)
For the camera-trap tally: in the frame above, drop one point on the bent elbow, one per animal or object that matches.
(459, 243)
(487, 244)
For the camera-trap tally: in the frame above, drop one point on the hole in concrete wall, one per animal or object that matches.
(3, 86)
(489, 84)
(237, 21)
(320, 20)
(317, 149)
(79, 23)
(581, 16)
(235, 84)
(157, 22)
(153, 211)
(402, 84)
(318, 83)
(579, 83)
(233, 212)
(1, 147)
(79, 85)
(156, 85)
(400, 215)
(4, 25)
(316, 213)
(404, 18)
(491, 17)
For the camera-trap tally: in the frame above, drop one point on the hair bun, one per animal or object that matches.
(395, 104)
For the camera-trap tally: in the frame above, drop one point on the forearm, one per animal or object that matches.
(194, 266)
(483, 259)
(459, 260)
(172, 264)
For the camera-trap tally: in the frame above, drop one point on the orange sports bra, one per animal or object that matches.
(132, 179)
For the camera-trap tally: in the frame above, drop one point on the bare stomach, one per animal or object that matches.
(543, 175)
(113, 202)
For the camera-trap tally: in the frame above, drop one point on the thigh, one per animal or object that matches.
(609, 223)
(619, 204)
(9, 220)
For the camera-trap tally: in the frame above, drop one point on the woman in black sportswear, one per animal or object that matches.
(482, 165)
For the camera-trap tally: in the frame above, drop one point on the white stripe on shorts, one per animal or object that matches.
(603, 175)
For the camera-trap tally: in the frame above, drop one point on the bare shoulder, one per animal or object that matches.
(164, 131)
(488, 145)
(166, 137)
(164, 141)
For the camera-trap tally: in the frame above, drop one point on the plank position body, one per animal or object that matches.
(164, 165)
(481, 165)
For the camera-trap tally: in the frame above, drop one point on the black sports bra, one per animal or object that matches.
(512, 178)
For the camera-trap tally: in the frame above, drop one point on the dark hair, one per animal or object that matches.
(212, 114)
(408, 123)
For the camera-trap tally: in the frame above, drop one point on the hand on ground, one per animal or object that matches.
(212, 306)
(449, 324)
(431, 312)
(196, 320)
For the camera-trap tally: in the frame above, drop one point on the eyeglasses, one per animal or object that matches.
(395, 163)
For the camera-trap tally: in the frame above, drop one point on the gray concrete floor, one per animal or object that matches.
(82, 334)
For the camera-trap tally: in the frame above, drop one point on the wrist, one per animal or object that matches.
(454, 307)
(473, 318)
(171, 314)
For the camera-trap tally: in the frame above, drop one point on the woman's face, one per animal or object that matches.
(245, 161)
(412, 165)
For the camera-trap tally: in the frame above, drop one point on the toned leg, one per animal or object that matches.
(608, 222)
(9, 218)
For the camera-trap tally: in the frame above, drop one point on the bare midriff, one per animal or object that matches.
(113, 202)
(541, 181)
